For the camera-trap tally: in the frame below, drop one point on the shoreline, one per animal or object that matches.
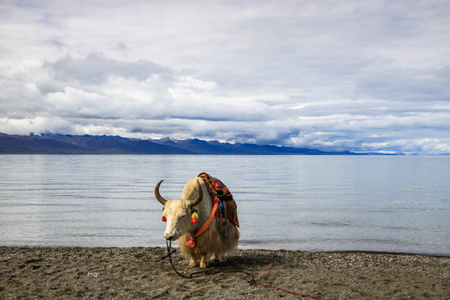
(140, 272)
(175, 246)
(378, 252)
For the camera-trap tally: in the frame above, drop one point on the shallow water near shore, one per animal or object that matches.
(312, 203)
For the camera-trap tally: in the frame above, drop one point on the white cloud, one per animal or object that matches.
(347, 75)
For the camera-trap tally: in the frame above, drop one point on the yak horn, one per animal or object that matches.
(158, 195)
(199, 197)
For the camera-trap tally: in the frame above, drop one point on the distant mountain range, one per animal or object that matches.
(89, 144)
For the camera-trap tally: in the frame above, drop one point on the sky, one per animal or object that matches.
(362, 76)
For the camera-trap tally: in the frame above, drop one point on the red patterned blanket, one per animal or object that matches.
(227, 205)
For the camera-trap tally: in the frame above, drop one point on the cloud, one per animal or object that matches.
(95, 69)
(369, 76)
(405, 84)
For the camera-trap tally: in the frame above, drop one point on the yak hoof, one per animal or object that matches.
(193, 262)
(219, 257)
(204, 261)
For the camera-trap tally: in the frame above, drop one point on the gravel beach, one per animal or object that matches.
(141, 273)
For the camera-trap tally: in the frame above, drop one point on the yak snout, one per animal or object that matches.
(168, 236)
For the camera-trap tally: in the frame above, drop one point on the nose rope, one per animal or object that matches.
(169, 255)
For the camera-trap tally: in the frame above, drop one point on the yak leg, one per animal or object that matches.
(219, 257)
(204, 261)
(193, 261)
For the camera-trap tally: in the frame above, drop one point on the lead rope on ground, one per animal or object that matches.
(251, 281)
(169, 255)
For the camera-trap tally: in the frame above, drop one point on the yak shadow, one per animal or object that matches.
(248, 260)
(246, 265)
(243, 262)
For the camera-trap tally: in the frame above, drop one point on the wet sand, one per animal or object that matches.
(141, 273)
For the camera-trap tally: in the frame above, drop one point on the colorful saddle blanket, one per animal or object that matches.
(227, 205)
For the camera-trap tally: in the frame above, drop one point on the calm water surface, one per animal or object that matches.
(378, 203)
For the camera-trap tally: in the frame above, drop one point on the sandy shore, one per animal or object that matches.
(140, 273)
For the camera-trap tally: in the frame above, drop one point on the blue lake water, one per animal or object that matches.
(312, 203)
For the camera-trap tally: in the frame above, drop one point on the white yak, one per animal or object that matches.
(220, 237)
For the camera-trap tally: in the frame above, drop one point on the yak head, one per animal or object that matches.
(177, 213)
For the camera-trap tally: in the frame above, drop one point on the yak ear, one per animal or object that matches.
(158, 195)
(199, 198)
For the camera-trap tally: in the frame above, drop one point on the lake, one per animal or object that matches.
(309, 203)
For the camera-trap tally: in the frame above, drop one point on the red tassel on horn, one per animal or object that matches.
(164, 218)
(194, 218)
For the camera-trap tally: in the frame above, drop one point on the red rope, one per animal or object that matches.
(191, 243)
(252, 281)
